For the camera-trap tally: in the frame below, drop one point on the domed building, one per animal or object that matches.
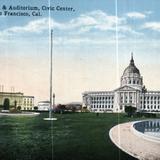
(131, 92)
(131, 76)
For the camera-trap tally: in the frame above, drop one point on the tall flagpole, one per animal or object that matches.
(51, 79)
(51, 70)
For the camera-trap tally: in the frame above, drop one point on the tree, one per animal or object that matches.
(15, 103)
(6, 104)
(35, 107)
(130, 110)
(19, 108)
(74, 106)
(60, 108)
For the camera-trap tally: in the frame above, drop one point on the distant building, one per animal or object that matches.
(17, 99)
(132, 92)
(28, 103)
(43, 105)
(74, 106)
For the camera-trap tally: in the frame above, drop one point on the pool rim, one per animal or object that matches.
(142, 135)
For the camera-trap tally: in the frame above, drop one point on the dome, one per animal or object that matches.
(131, 69)
(131, 75)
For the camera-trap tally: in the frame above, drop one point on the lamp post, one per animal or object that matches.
(144, 90)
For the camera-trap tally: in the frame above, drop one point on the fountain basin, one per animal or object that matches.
(147, 129)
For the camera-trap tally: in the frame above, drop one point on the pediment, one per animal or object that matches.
(126, 88)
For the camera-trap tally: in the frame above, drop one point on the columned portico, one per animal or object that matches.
(130, 93)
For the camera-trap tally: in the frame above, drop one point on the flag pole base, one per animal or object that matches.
(50, 119)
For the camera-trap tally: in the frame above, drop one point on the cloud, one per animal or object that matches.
(85, 22)
(96, 20)
(88, 23)
(148, 12)
(152, 25)
(136, 15)
(34, 26)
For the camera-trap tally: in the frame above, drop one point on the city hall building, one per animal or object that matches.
(131, 92)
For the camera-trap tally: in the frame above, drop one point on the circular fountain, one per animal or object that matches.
(147, 129)
(140, 139)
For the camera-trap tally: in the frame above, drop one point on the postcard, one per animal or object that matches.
(79, 80)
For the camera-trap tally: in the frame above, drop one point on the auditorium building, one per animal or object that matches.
(131, 92)
(17, 99)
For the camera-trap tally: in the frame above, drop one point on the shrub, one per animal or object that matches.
(130, 110)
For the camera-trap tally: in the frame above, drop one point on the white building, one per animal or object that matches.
(43, 106)
(28, 103)
(132, 92)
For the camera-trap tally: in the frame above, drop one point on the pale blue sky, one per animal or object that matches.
(84, 46)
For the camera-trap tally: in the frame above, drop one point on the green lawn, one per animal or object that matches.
(78, 136)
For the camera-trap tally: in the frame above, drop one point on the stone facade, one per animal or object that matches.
(17, 99)
(28, 103)
(132, 92)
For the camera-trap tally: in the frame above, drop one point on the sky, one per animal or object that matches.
(92, 46)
